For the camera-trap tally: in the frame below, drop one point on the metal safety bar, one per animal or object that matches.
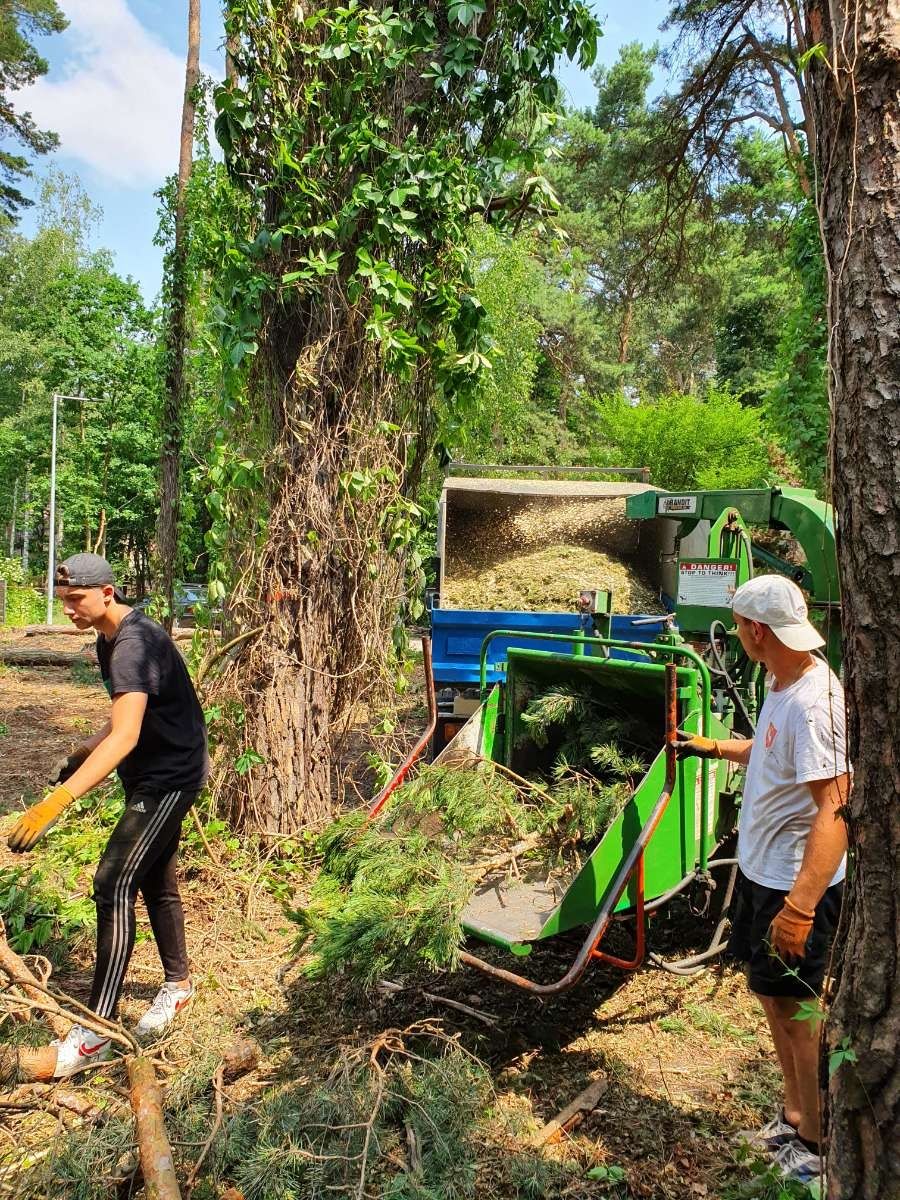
(416, 753)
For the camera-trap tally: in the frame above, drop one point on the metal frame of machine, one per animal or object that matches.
(662, 841)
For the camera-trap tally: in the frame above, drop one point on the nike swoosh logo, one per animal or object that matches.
(179, 1004)
(87, 1051)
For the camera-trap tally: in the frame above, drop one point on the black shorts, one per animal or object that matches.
(753, 909)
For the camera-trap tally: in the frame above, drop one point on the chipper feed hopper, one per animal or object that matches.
(692, 676)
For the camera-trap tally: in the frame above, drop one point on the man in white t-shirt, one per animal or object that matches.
(792, 845)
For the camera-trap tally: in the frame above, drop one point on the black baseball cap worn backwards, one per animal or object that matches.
(86, 571)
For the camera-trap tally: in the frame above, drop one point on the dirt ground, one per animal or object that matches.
(43, 714)
(688, 1061)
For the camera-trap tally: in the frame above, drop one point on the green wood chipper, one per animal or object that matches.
(693, 676)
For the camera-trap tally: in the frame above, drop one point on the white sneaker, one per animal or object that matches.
(794, 1161)
(771, 1137)
(79, 1050)
(170, 1000)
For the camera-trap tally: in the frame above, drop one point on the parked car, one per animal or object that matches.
(187, 597)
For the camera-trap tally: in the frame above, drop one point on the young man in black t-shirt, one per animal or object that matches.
(156, 739)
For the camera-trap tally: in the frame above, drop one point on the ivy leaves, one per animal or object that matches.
(465, 13)
(375, 134)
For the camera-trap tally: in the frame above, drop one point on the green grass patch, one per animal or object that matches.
(707, 1020)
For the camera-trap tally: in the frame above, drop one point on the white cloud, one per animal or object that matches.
(116, 100)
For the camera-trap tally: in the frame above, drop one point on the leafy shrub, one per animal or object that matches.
(797, 405)
(686, 441)
(24, 605)
(47, 900)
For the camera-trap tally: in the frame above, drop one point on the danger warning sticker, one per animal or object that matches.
(707, 584)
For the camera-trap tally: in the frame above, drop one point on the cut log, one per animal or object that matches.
(49, 630)
(157, 1164)
(583, 1102)
(179, 635)
(19, 656)
(21, 1064)
(240, 1058)
(19, 974)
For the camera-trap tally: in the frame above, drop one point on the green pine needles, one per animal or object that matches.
(392, 890)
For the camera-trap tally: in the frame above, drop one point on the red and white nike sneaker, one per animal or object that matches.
(79, 1050)
(169, 1001)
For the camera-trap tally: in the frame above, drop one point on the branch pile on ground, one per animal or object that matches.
(537, 556)
(22, 991)
(407, 1115)
(391, 890)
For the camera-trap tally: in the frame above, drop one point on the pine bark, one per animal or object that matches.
(857, 114)
(327, 593)
(175, 384)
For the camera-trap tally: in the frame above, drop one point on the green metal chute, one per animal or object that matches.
(533, 908)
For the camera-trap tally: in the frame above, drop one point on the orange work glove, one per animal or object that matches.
(693, 745)
(790, 931)
(35, 821)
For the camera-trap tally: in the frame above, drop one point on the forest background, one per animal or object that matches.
(660, 316)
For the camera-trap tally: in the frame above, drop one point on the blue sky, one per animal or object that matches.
(113, 94)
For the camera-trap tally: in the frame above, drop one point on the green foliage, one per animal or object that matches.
(391, 890)
(759, 207)
(69, 324)
(708, 1021)
(44, 903)
(840, 1054)
(21, 65)
(411, 1117)
(686, 441)
(767, 1183)
(24, 605)
(35, 911)
(413, 191)
(797, 400)
(441, 111)
(506, 278)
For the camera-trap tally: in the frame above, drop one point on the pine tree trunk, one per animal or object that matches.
(624, 336)
(175, 389)
(26, 527)
(858, 156)
(328, 593)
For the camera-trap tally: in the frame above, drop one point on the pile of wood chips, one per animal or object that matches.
(537, 555)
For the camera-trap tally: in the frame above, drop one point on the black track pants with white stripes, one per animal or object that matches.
(141, 856)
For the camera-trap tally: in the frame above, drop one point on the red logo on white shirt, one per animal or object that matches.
(771, 735)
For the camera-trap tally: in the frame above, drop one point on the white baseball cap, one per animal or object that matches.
(777, 602)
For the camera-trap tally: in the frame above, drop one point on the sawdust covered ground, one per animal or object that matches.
(539, 554)
(687, 1060)
(44, 712)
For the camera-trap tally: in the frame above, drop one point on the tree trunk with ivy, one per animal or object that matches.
(175, 384)
(367, 140)
(855, 84)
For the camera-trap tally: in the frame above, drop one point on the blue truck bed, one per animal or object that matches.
(457, 636)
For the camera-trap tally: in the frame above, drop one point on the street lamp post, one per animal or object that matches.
(51, 544)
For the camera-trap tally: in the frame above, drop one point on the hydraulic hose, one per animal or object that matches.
(722, 670)
(748, 546)
(696, 962)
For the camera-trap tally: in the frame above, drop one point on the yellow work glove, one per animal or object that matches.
(789, 932)
(35, 821)
(693, 745)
